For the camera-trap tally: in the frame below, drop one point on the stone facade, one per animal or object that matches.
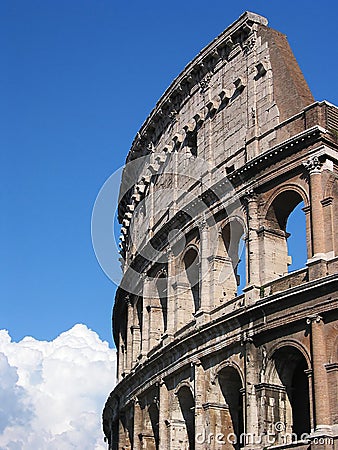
(232, 147)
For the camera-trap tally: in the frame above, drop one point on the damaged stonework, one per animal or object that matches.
(231, 148)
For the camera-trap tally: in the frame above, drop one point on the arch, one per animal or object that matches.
(139, 311)
(274, 234)
(232, 364)
(137, 328)
(231, 387)
(191, 264)
(181, 384)
(281, 207)
(290, 343)
(225, 412)
(187, 407)
(233, 270)
(286, 187)
(122, 341)
(287, 368)
(154, 417)
(161, 283)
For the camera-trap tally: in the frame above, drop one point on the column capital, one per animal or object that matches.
(314, 318)
(246, 338)
(250, 195)
(196, 362)
(203, 224)
(128, 300)
(313, 165)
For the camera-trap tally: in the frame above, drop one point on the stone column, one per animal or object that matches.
(251, 379)
(314, 166)
(329, 219)
(204, 278)
(129, 343)
(320, 384)
(163, 415)
(120, 357)
(136, 331)
(307, 212)
(332, 377)
(199, 394)
(155, 319)
(252, 248)
(308, 372)
(145, 321)
(171, 295)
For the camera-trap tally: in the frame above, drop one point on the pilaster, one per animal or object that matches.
(163, 415)
(314, 168)
(251, 289)
(321, 398)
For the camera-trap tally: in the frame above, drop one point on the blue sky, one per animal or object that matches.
(78, 79)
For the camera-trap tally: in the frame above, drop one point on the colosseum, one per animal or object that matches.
(221, 344)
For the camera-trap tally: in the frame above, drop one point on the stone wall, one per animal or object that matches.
(230, 150)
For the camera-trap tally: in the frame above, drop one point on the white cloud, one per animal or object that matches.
(52, 393)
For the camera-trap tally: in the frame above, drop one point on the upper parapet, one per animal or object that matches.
(240, 36)
(233, 95)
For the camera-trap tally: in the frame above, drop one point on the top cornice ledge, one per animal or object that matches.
(248, 15)
(247, 18)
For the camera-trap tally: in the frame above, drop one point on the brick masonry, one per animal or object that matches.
(231, 148)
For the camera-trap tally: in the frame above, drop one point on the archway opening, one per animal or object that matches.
(161, 285)
(191, 264)
(231, 387)
(296, 229)
(234, 243)
(285, 235)
(187, 405)
(139, 317)
(114, 440)
(122, 354)
(290, 372)
(154, 420)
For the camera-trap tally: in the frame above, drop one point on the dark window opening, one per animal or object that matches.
(233, 238)
(191, 263)
(191, 142)
(161, 285)
(187, 406)
(291, 365)
(154, 420)
(231, 385)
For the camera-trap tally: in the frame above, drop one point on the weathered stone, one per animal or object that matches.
(232, 147)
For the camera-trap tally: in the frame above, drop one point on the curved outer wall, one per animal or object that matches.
(231, 148)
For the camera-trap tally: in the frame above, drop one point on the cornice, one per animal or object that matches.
(198, 71)
(276, 153)
(238, 177)
(193, 344)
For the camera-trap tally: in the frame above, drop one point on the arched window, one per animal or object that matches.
(289, 371)
(122, 354)
(296, 230)
(187, 407)
(191, 265)
(161, 285)
(191, 142)
(284, 220)
(139, 313)
(234, 275)
(230, 385)
(138, 328)
(154, 421)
